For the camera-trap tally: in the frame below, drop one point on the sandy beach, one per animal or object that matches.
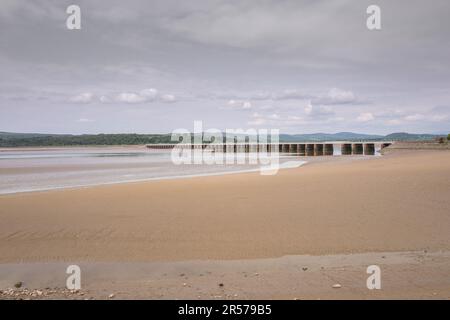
(395, 204)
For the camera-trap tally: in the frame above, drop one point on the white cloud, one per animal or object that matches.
(144, 96)
(365, 117)
(149, 94)
(257, 122)
(414, 117)
(393, 122)
(332, 97)
(85, 120)
(85, 97)
(168, 98)
(293, 94)
(130, 97)
(105, 99)
(336, 96)
(318, 111)
(239, 104)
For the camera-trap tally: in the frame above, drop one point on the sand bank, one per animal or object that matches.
(399, 202)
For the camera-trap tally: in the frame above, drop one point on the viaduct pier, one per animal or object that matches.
(294, 148)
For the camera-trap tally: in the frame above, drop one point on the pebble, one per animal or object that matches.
(112, 295)
(336, 286)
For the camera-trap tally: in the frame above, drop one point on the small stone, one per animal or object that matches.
(184, 284)
(337, 286)
(18, 284)
(112, 295)
(304, 268)
(256, 274)
(220, 284)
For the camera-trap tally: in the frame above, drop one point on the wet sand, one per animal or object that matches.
(408, 275)
(396, 203)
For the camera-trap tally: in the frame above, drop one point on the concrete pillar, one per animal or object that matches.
(369, 149)
(329, 150)
(309, 149)
(357, 148)
(318, 149)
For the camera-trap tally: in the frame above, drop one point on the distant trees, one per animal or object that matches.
(82, 140)
(448, 137)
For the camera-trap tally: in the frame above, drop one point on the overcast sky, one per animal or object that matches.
(301, 66)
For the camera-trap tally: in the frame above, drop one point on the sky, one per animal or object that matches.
(300, 66)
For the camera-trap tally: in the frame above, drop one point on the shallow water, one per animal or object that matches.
(38, 170)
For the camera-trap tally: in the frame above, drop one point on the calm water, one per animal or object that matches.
(23, 171)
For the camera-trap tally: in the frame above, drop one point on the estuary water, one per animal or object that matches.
(39, 169)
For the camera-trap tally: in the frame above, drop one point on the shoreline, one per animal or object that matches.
(288, 164)
(297, 164)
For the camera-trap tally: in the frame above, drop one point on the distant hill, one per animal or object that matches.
(409, 137)
(340, 136)
(8, 139)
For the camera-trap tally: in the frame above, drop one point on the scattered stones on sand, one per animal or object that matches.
(28, 294)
